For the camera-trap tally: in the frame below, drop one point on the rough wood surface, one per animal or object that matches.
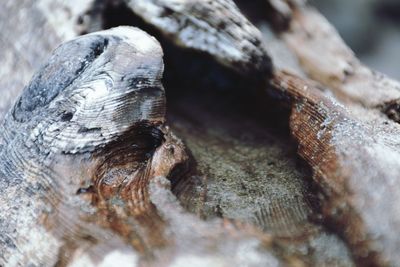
(355, 166)
(92, 174)
(52, 139)
(327, 59)
(85, 159)
(214, 27)
(238, 178)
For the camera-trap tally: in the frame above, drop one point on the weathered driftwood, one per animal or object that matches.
(95, 216)
(327, 59)
(214, 27)
(355, 166)
(353, 149)
(306, 237)
(364, 242)
(370, 243)
(85, 155)
(64, 131)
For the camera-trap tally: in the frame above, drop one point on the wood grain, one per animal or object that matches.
(92, 175)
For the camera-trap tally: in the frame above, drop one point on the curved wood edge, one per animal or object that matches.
(217, 28)
(350, 162)
(328, 60)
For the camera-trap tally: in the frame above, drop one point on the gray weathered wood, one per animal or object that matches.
(214, 27)
(86, 97)
(70, 151)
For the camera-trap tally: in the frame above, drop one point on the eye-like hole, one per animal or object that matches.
(67, 116)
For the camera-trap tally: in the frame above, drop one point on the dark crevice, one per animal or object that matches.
(392, 110)
(89, 130)
(138, 143)
(85, 190)
(193, 69)
(261, 10)
(67, 116)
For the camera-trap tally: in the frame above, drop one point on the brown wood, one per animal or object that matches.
(355, 166)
